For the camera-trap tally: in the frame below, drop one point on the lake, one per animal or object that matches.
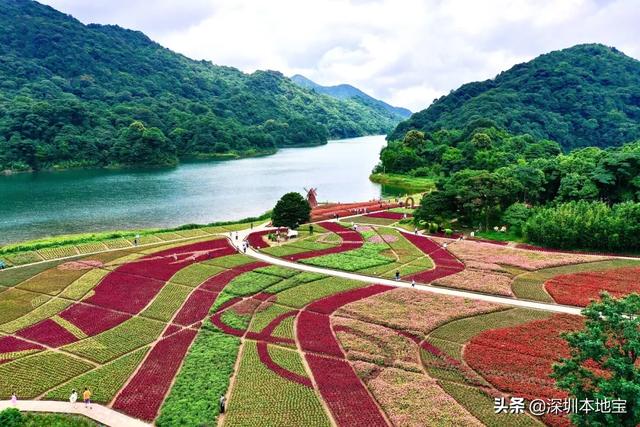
(52, 203)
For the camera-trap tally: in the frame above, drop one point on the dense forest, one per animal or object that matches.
(587, 95)
(93, 95)
(345, 91)
(486, 176)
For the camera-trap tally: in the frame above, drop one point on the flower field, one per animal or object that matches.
(581, 288)
(160, 333)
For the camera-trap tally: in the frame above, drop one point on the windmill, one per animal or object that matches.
(312, 197)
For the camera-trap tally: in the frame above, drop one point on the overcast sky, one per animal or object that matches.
(406, 52)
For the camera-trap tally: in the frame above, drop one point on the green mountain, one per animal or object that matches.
(587, 95)
(345, 91)
(94, 95)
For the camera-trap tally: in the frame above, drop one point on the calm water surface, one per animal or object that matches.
(51, 203)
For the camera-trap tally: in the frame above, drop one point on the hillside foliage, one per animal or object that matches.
(586, 95)
(93, 95)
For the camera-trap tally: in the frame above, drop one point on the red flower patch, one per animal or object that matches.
(256, 239)
(92, 319)
(518, 360)
(265, 358)
(445, 263)
(195, 308)
(10, 344)
(146, 391)
(581, 288)
(49, 333)
(342, 390)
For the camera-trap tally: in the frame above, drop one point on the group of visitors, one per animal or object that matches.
(73, 398)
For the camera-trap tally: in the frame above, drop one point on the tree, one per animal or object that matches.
(603, 361)
(291, 211)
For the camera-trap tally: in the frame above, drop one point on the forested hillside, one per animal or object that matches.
(76, 95)
(587, 95)
(345, 91)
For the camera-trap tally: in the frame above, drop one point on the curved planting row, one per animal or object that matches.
(146, 391)
(120, 294)
(445, 263)
(345, 395)
(583, 287)
(518, 360)
(350, 240)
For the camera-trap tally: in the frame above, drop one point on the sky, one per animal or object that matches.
(405, 52)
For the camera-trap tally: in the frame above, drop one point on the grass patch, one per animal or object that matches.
(408, 183)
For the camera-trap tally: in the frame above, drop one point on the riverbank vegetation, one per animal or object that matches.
(411, 184)
(75, 95)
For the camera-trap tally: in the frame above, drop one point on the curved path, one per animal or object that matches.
(556, 308)
(99, 413)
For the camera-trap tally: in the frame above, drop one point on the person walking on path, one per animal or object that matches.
(223, 403)
(14, 399)
(413, 283)
(86, 396)
(73, 398)
(397, 275)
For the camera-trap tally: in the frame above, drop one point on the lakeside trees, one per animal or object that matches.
(70, 94)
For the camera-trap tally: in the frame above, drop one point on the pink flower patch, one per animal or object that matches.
(80, 265)
(385, 238)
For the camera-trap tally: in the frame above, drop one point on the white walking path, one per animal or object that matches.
(556, 308)
(99, 413)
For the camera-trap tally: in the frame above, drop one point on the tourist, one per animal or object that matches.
(311, 229)
(415, 231)
(397, 275)
(14, 399)
(236, 236)
(73, 398)
(223, 401)
(252, 226)
(413, 283)
(86, 396)
(175, 257)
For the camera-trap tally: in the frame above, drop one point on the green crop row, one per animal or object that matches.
(167, 302)
(203, 378)
(260, 397)
(194, 274)
(33, 375)
(104, 381)
(302, 295)
(130, 335)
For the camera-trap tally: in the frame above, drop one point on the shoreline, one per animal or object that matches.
(191, 158)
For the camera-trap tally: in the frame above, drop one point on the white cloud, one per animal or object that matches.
(407, 52)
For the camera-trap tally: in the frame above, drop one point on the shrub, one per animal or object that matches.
(11, 417)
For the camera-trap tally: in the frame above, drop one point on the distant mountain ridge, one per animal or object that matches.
(346, 91)
(99, 95)
(586, 95)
